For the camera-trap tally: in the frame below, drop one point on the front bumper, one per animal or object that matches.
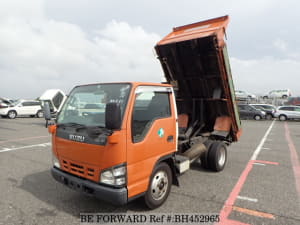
(116, 196)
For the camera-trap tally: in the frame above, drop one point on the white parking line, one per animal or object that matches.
(24, 147)
(247, 199)
(260, 164)
(259, 147)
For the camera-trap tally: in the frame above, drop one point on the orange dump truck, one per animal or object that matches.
(121, 141)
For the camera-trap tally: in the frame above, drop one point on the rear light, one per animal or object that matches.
(3, 106)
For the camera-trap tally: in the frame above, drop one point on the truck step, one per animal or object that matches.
(182, 163)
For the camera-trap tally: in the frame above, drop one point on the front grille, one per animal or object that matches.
(79, 169)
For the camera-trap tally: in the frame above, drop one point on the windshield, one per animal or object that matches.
(258, 107)
(86, 104)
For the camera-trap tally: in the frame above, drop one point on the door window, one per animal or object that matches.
(149, 106)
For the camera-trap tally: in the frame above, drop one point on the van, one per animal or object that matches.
(55, 98)
(283, 93)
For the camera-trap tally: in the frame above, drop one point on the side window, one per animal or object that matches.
(248, 108)
(26, 104)
(148, 107)
(287, 108)
(35, 103)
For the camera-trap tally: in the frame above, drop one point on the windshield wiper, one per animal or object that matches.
(71, 124)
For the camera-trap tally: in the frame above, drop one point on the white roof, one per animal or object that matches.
(50, 93)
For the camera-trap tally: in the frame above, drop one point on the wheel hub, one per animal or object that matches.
(222, 157)
(159, 185)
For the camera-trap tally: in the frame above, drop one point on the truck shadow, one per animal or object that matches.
(197, 166)
(43, 187)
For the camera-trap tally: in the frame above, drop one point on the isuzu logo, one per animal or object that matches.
(78, 138)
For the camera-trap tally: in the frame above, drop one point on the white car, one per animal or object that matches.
(288, 112)
(244, 95)
(284, 93)
(22, 108)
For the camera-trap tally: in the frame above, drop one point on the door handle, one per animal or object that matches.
(170, 138)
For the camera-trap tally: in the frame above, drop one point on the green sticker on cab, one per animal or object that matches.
(161, 132)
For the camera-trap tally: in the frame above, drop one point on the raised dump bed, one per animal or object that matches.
(195, 61)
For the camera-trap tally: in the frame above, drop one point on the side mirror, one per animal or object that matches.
(47, 113)
(112, 116)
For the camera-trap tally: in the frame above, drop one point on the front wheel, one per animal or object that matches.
(282, 117)
(159, 186)
(12, 114)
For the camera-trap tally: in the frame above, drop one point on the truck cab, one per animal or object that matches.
(121, 141)
(114, 148)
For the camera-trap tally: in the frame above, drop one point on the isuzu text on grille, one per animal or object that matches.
(76, 137)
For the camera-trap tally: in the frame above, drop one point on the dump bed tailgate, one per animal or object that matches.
(195, 61)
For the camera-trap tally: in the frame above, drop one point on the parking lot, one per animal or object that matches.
(259, 185)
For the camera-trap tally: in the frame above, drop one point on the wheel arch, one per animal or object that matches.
(170, 160)
(260, 117)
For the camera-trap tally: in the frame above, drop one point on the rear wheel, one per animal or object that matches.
(282, 117)
(159, 186)
(217, 156)
(269, 116)
(12, 114)
(284, 96)
(40, 114)
(257, 117)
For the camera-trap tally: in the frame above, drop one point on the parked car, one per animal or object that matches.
(284, 93)
(250, 112)
(22, 108)
(287, 112)
(244, 95)
(293, 101)
(4, 102)
(269, 109)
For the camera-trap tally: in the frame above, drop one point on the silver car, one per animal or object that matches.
(288, 112)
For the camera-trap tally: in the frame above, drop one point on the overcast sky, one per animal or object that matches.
(62, 43)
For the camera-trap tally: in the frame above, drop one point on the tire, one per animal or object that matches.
(284, 96)
(282, 117)
(257, 117)
(217, 156)
(204, 162)
(12, 114)
(269, 117)
(159, 186)
(40, 114)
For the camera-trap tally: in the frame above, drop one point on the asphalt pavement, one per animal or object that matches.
(259, 185)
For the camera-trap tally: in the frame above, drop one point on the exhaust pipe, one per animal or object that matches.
(195, 151)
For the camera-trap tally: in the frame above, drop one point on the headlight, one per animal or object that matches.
(264, 113)
(55, 161)
(114, 176)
